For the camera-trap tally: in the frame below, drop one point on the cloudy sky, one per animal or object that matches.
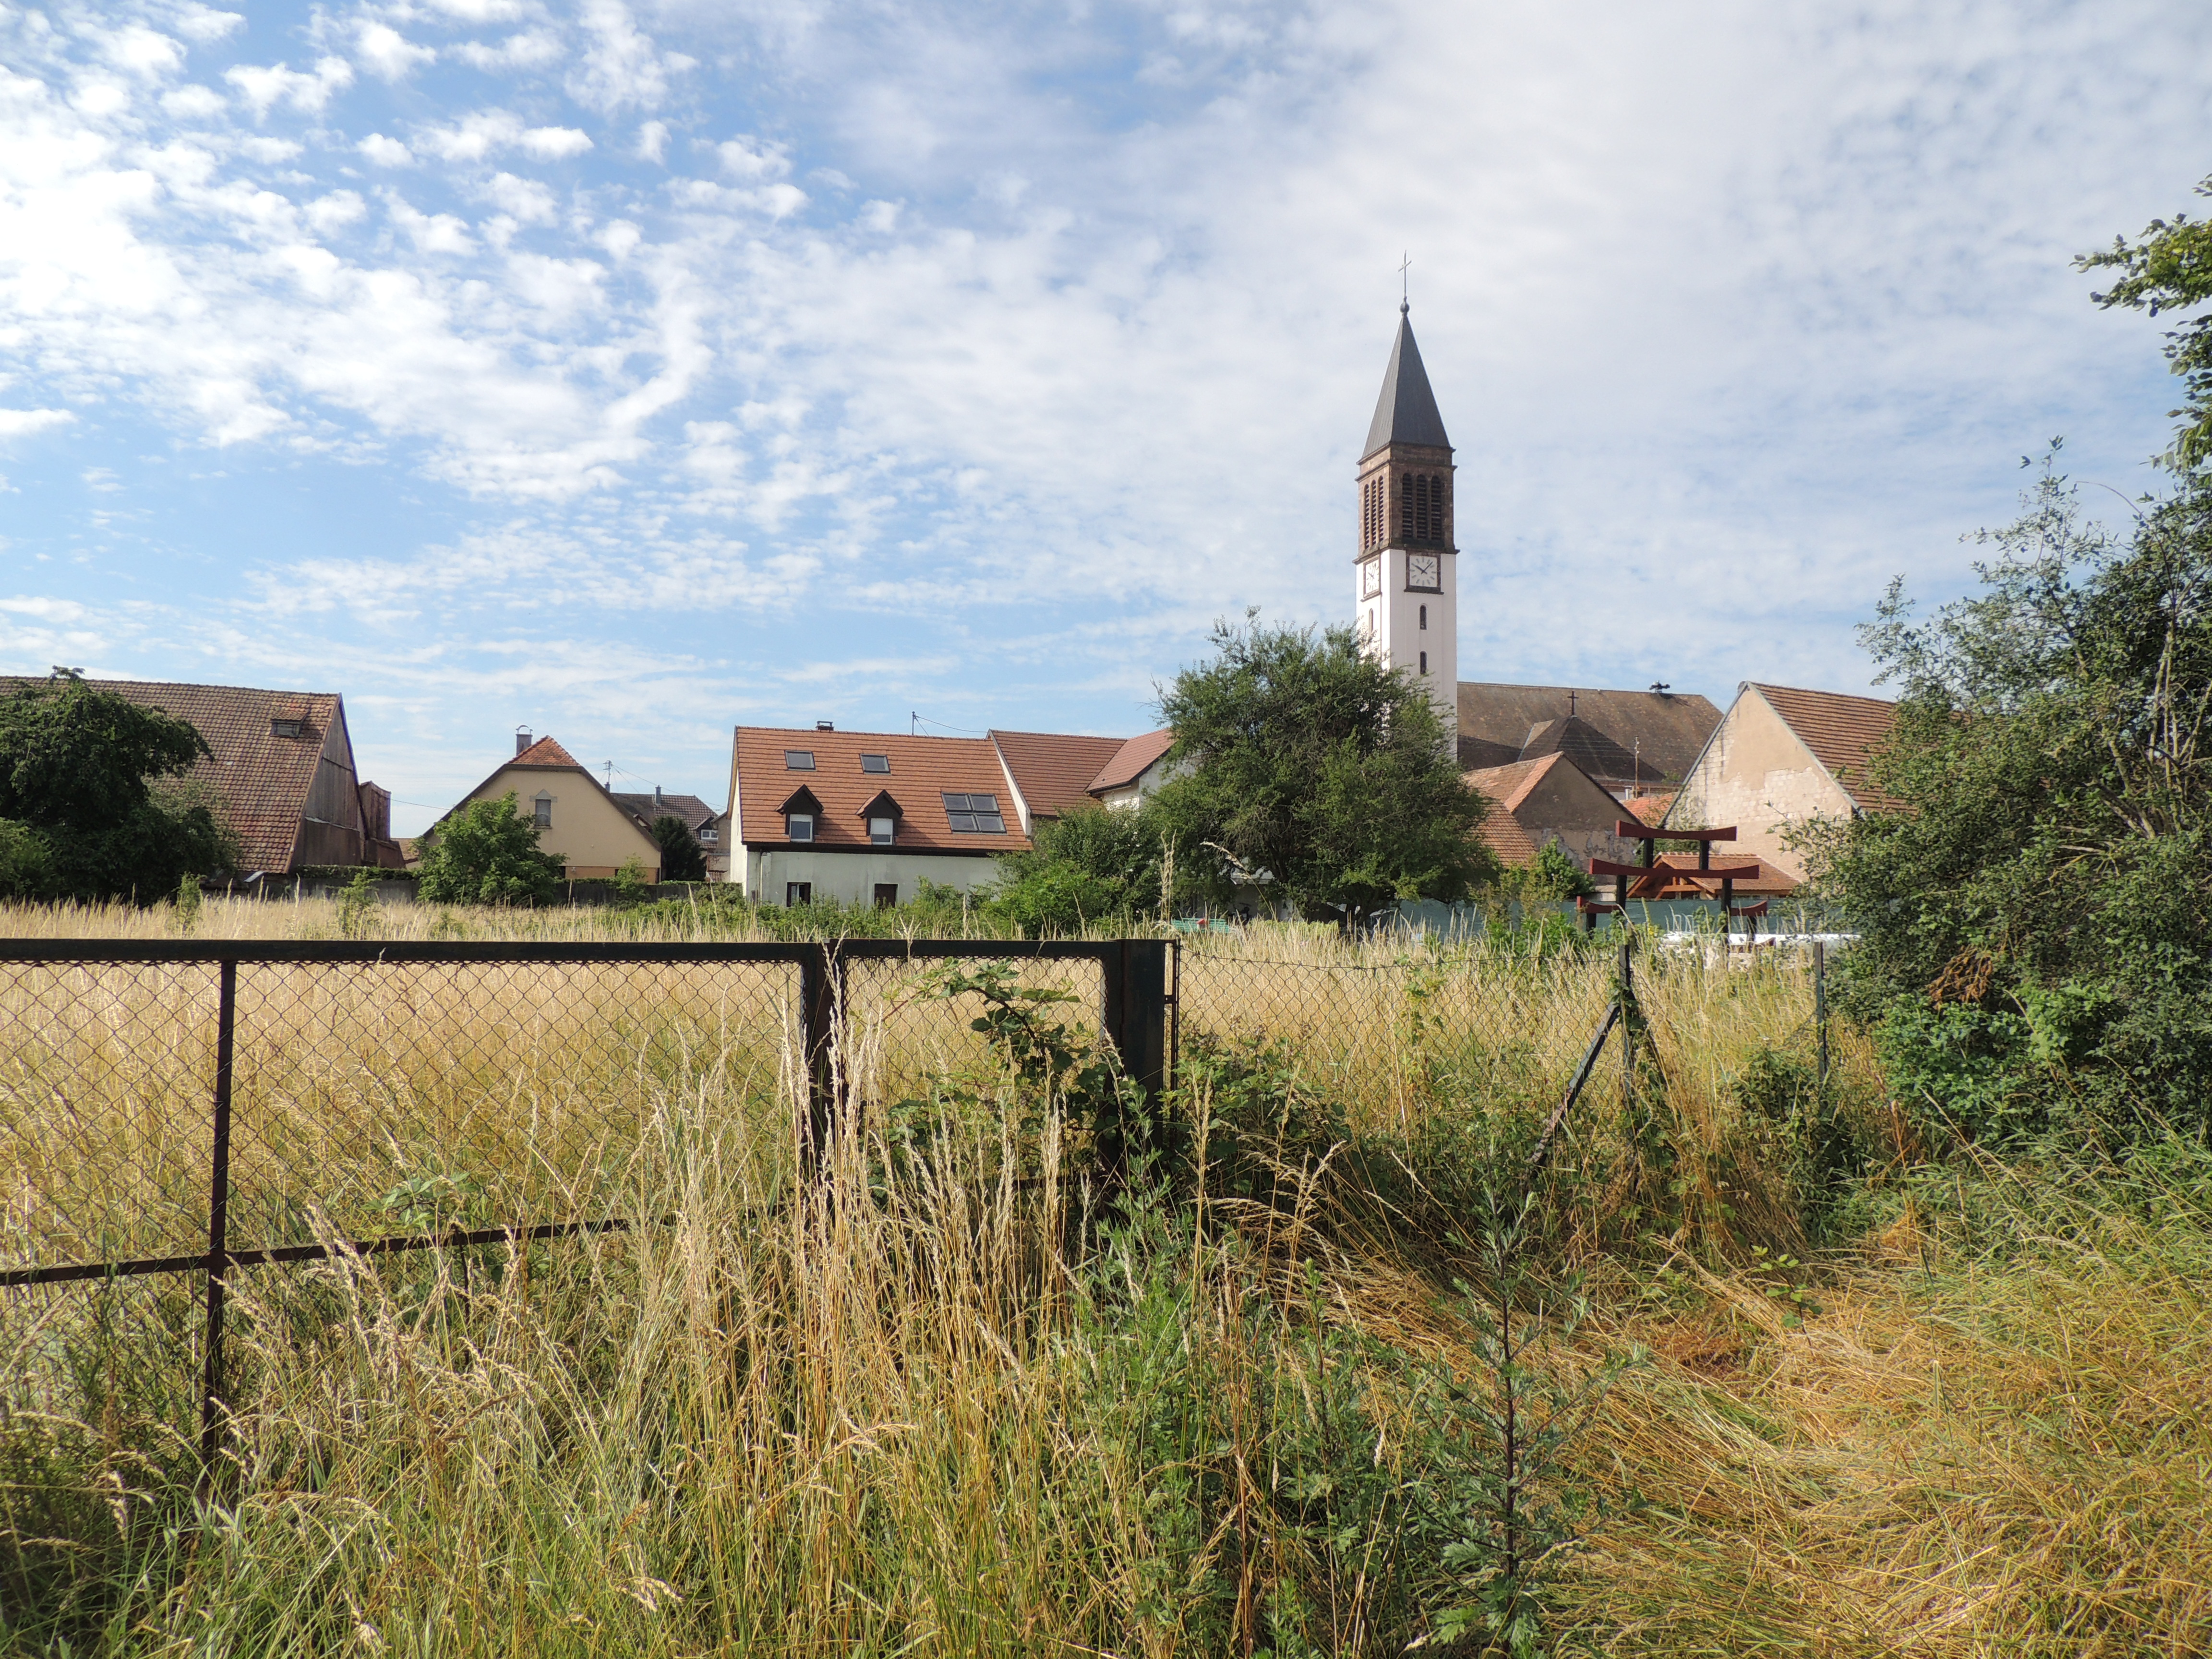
(631, 372)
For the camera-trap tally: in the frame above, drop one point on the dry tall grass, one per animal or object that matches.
(923, 1409)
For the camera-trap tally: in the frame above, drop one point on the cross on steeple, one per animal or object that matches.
(1405, 285)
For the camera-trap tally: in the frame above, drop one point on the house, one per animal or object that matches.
(283, 769)
(864, 817)
(594, 834)
(1549, 799)
(1628, 742)
(1047, 773)
(1134, 770)
(1781, 758)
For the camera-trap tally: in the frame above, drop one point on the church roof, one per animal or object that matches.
(1406, 413)
(1660, 732)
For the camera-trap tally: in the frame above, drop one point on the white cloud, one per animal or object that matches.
(204, 25)
(21, 422)
(431, 233)
(144, 51)
(652, 141)
(530, 48)
(555, 143)
(336, 210)
(622, 66)
(526, 200)
(385, 152)
(389, 54)
(482, 11)
(194, 103)
(745, 158)
(263, 87)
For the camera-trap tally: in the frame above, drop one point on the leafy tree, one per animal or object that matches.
(1318, 777)
(93, 798)
(680, 857)
(487, 853)
(2033, 922)
(2170, 270)
(1554, 876)
(1093, 865)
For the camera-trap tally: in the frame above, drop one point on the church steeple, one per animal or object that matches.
(1406, 413)
(1408, 589)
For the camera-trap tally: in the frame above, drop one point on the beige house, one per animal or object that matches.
(1134, 770)
(1781, 758)
(592, 832)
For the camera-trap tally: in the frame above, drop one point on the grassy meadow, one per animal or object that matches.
(1784, 1379)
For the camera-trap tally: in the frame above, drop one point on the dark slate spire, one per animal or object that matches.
(1406, 413)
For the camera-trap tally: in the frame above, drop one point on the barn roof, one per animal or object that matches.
(1843, 732)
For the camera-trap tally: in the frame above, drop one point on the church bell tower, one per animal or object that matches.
(1407, 584)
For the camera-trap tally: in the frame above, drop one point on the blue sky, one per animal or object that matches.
(630, 371)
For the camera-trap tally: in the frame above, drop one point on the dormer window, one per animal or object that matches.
(882, 815)
(881, 831)
(799, 826)
(709, 835)
(875, 762)
(798, 760)
(280, 728)
(802, 815)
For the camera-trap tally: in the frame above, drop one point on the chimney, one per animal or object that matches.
(825, 726)
(656, 797)
(521, 739)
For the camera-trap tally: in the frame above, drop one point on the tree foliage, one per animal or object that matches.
(2033, 922)
(680, 857)
(2170, 269)
(487, 853)
(1093, 865)
(94, 799)
(1316, 777)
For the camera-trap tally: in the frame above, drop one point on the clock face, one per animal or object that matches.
(1370, 578)
(1421, 572)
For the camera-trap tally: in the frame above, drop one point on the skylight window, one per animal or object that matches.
(974, 815)
(875, 762)
(798, 760)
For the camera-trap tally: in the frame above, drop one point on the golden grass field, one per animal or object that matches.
(921, 1408)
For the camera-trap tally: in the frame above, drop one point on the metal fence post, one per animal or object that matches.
(218, 1256)
(1820, 1009)
(1174, 1010)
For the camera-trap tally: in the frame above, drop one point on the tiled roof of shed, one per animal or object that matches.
(1130, 761)
(923, 771)
(694, 811)
(263, 780)
(1054, 768)
(1842, 732)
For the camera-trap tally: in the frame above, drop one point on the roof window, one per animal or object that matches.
(974, 815)
(799, 826)
(283, 728)
(875, 762)
(798, 760)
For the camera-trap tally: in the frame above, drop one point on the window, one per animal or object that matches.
(881, 831)
(798, 760)
(1424, 662)
(1424, 618)
(886, 894)
(542, 812)
(799, 826)
(974, 815)
(799, 892)
(285, 728)
(875, 762)
(709, 835)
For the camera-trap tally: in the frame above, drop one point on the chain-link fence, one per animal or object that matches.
(171, 1114)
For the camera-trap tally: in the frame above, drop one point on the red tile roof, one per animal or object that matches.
(1649, 809)
(923, 770)
(1130, 761)
(1512, 783)
(1054, 770)
(1501, 831)
(1842, 732)
(263, 780)
(546, 752)
(1768, 880)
